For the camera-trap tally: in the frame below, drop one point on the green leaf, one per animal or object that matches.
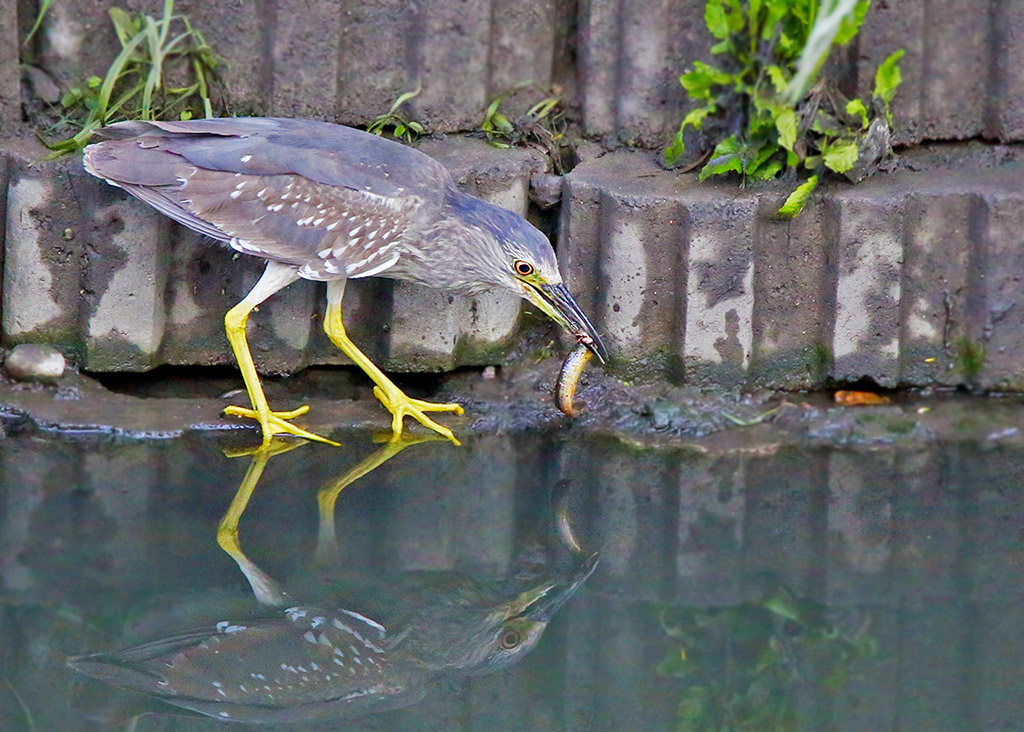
(781, 604)
(721, 47)
(43, 7)
(675, 149)
(725, 159)
(888, 77)
(71, 97)
(850, 25)
(841, 155)
(402, 99)
(762, 154)
(768, 171)
(785, 123)
(416, 127)
(855, 107)
(185, 115)
(698, 82)
(794, 204)
(778, 79)
(93, 81)
(716, 19)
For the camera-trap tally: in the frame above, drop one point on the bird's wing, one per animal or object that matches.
(333, 155)
(330, 200)
(293, 666)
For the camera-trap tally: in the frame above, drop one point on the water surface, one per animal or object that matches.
(811, 589)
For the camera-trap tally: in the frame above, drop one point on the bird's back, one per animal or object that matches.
(306, 663)
(331, 200)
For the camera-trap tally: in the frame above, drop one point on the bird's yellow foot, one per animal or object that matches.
(401, 406)
(277, 423)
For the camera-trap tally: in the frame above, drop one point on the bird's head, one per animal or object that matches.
(505, 250)
(492, 627)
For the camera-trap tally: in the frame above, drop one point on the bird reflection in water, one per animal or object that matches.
(337, 649)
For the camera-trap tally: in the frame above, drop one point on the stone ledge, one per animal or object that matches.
(906, 279)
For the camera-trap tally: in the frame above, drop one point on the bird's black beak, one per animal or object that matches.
(558, 593)
(561, 307)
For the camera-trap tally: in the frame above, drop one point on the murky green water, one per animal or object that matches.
(814, 590)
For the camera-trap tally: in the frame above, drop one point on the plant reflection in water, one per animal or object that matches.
(340, 647)
(744, 666)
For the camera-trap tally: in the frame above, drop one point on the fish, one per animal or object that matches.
(569, 377)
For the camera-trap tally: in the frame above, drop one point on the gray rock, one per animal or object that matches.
(33, 362)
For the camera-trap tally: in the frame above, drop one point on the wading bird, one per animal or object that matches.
(321, 201)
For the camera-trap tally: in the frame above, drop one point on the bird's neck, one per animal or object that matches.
(456, 252)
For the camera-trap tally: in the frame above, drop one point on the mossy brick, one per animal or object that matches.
(1000, 290)
(934, 285)
(790, 268)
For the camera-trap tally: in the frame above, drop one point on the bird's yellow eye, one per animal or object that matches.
(522, 268)
(510, 639)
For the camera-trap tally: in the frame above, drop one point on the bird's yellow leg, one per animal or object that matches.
(327, 539)
(274, 278)
(389, 394)
(266, 590)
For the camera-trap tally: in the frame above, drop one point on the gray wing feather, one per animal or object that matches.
(333, 201)
(326, 153)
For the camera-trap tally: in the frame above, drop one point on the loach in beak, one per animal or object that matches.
(560, 306)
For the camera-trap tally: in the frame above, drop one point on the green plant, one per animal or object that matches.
(401, 127)
(971, 356)
(756, 107)
(742, 667)
(538, 123)
(541, 125)
(133, 86)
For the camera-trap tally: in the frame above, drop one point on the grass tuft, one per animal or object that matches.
(133, 87)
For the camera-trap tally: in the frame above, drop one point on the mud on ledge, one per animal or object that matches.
(509, 400)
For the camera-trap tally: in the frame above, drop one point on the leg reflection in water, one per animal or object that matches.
(336, 649)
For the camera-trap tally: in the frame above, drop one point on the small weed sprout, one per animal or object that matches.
(133, 87)
(401, 127)
(542, 124)
(762, 108)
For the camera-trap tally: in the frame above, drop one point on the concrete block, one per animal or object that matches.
(958, 78)
(934, 286)
(631, 55)
(999, 290)
(868, 252)
(1006, 91)
(897, 280)
(790, 269)
(10, 67)
(342, 60)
